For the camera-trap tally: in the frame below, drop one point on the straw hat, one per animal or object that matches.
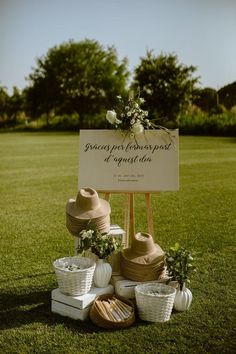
(143, 250)
(87, 205)
(144, 260)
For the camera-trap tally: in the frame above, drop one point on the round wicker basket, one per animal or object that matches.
(98, 318)
(75, 282)
(154, 301)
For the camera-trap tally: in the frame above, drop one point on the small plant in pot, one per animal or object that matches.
(102, 245)
(179, 263)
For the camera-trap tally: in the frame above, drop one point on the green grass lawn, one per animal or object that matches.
(38, 173)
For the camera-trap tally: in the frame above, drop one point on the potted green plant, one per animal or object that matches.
(179, 263)
(102, 245)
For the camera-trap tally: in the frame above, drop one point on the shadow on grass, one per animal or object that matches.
(18, 310)
(34, 307)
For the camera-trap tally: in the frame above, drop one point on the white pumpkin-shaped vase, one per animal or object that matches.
(183, 299)
(102, 274)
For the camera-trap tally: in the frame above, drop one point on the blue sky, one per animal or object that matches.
(201, 32)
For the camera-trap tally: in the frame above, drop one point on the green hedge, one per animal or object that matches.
(202, 124)
(193, 123)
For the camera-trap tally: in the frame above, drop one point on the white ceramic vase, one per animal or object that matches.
(102, 273)
(183, 299)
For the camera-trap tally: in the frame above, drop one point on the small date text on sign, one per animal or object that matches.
(108, 161)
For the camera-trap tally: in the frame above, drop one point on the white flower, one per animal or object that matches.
(129, 114)
(141, 100)
(137, 128)
(111, 117)
(90, 233)
(86, 234)
(132, 121)
(83, 235)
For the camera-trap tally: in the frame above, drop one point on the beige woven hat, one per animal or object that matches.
(87, 205)
(144, 260)
(143, 250)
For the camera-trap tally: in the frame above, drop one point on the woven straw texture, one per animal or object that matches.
(99, 320)
(154, 301)
(76, 282)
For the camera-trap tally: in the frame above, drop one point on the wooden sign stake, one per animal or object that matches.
(129, 224)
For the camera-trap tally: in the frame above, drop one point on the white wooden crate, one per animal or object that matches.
(70, 311)
(76, 307)
(81, 301)
(125, 287)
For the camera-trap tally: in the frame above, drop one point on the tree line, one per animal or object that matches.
(79, 81)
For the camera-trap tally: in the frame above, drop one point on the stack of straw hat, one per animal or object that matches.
(87, 209)
(144, 260)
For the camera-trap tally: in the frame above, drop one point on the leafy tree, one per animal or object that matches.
(227, 95)
(15, 105)
(206, 99)
(166, 85)
(79, 77)
(4, 98)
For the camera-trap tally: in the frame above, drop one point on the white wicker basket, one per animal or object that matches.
(154, 301)
(75, 282)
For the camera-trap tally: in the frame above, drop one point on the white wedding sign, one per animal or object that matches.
(109, 161)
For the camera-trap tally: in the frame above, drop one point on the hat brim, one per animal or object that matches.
(156, 256)
(141, 273)
(75, 211)
(144, 277)
(75, 225)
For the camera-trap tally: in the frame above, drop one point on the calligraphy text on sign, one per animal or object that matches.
(110, 162)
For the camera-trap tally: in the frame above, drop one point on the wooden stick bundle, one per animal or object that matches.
(117, 309)
(124, 307)
(114, 309)
(101, 309)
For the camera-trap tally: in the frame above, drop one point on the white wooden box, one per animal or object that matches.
(81, 301)
(125, 287)
(70, 311)
(116, 230)
(76, 307)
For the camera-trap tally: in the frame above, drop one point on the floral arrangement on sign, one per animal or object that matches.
(129, 117)
(102, 245)
(179, 263)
